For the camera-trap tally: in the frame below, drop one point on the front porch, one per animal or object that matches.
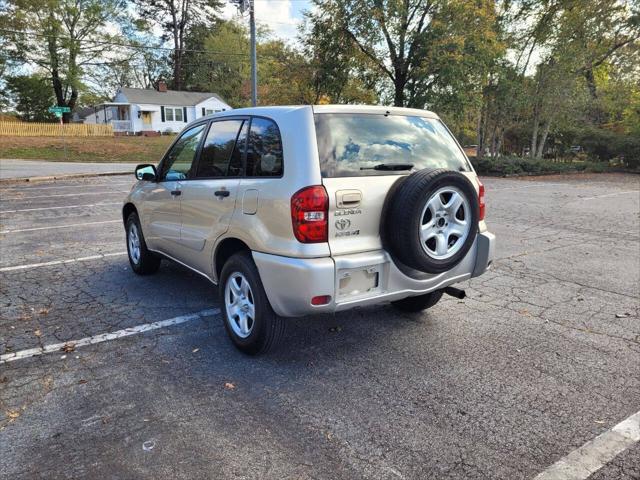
(125, 118)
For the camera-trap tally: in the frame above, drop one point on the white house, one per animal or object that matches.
(139, 111)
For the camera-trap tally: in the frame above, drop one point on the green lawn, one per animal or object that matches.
(86, 149)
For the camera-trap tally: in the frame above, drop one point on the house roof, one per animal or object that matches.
(170, 97)
(84, 111)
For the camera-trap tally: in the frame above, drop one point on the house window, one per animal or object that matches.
(173, 114)
(210, 112)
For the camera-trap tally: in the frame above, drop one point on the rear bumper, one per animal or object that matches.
(357, 279)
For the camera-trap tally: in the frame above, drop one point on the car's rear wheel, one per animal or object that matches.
(250, 321)
(419, 303)
(142, 260)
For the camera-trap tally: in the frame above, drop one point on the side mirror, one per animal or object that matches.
(146, 172)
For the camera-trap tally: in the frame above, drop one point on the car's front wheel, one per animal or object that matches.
(143, 261)
(250, 321)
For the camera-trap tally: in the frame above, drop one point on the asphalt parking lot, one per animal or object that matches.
(540, 358)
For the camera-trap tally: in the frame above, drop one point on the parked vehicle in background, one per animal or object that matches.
(299, 210)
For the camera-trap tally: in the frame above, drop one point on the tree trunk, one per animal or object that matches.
(483, 120)
(494, 140)
(543, 138)
(400, 83)
(591, 82)
(534, 136)
(500, 141)
(398, 98)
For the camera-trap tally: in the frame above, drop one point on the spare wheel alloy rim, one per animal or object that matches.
(445, 223)
(239, 304)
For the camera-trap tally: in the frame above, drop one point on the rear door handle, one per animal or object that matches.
(222, 193)
(348, 198)
(176, 193)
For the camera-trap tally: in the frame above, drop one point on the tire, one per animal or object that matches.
(419, 303)
(141, 259)
(265, 330)
(414, 211)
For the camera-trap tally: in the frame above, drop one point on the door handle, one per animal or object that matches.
(348, 198)
(221, 193)
(176, 193)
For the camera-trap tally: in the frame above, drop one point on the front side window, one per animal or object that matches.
(264, 152)
(177, 163)
(217, 151)
(352, 145)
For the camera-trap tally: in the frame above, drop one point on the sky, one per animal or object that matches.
(282, 16)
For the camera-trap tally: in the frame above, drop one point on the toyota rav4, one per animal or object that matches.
(300, 210)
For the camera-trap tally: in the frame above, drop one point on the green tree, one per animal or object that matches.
(211, 65)
(177, 18)
(31, 96)
(336, 71)
(62, 38)
(428, 52)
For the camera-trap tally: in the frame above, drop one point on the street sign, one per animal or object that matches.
(59, 110)
(58, 114)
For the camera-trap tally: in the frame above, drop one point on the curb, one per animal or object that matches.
(60, 177)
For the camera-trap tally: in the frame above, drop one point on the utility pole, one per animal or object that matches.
(243, 6)
(254, 58)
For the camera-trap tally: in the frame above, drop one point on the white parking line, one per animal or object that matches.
(610, 195)
(593, 455)
(60, 262)
(58, 208)
(58, 226)
(67, 195)
(104, 337)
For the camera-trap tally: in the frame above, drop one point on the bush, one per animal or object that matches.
(532, 166)
(606, 145)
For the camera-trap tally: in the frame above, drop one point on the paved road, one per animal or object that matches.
(10, 168)
(541, 357)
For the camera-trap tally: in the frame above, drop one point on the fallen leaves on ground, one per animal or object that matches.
(13, 414)
(37, 332)
(68, 347)
(229, 386)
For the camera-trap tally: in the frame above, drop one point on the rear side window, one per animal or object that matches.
(218, 149)
(264, 149)
(352, 145)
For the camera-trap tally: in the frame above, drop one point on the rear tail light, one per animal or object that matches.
(309, 214)
(481, 203)
(321, 300)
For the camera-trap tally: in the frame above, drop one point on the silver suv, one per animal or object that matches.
(299, 210)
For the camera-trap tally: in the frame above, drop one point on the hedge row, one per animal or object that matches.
(529, 166)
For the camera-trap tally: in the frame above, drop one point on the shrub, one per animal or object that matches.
(532, 166)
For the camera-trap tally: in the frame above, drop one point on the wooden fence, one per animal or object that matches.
(22, 129)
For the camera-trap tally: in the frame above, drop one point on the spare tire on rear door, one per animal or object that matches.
(431, 220)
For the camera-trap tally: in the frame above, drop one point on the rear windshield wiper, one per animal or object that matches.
(390, 166)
